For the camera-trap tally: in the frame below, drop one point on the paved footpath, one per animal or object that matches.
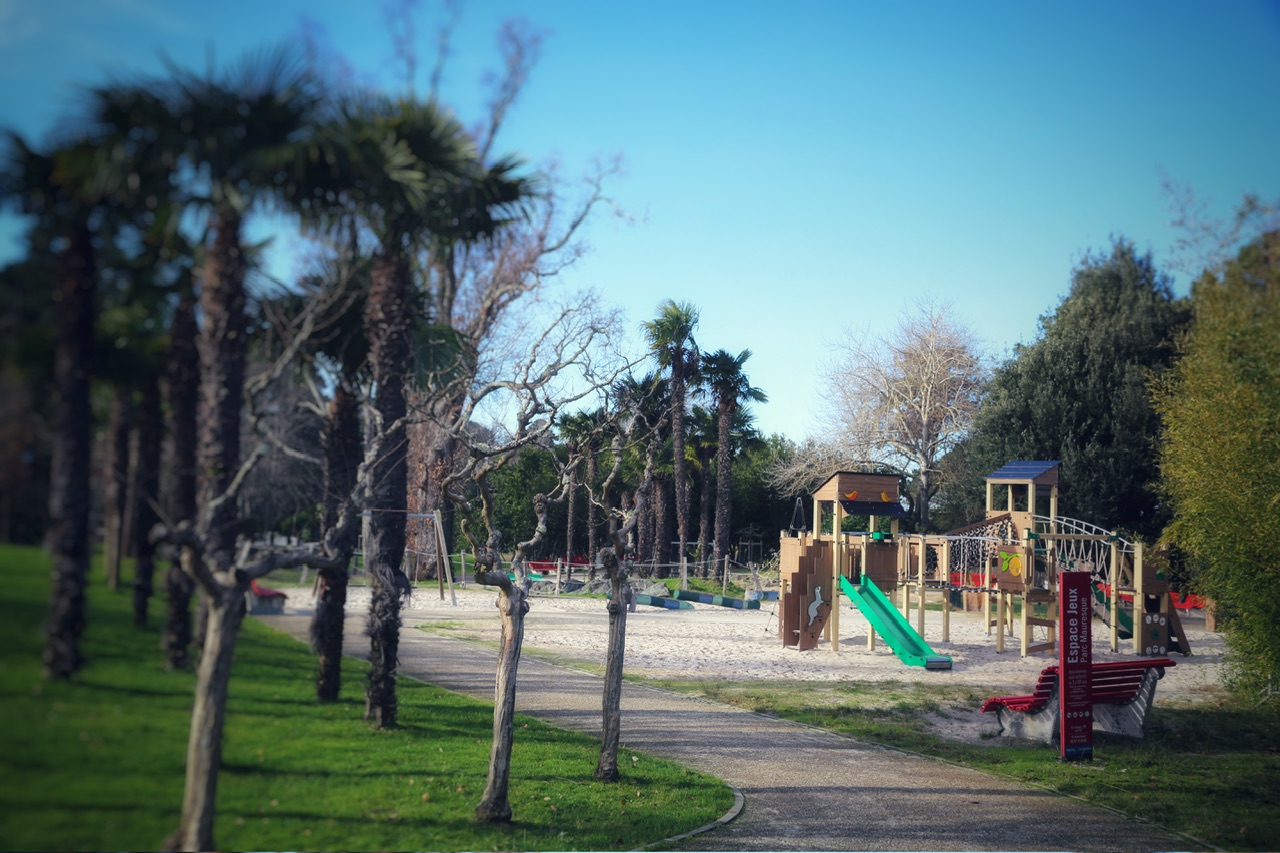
(804, 789)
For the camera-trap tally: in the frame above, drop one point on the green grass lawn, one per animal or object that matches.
(97, 763)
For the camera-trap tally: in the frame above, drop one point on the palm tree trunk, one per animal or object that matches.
(704, 516)
(664, 521)
(724, 488)
(223, 346)
(677, 452)
(69, 481)
(116, 492)
(184, 396)
(341, 459)
(146, 491)
(570, 500)
(387, 326)
(592, 523)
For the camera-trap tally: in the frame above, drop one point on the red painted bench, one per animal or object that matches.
(1122, 694)
(263, 599)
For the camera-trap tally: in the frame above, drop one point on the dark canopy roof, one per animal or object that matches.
(1024, 470)
(883, 509)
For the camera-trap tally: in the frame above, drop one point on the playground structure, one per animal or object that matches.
(1005, 565)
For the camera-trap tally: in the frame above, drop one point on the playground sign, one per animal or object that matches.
(1075, 661)
(1011, 568)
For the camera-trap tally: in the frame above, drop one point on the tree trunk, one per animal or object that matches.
(724, 487)
(611, 721)
(568, 524)
(68, 537)
(704, 517)
(117, 484)
(208, 716)
(680, 477)
(922, 497)
(664, 521)
(341, 459)
(223, 345)
(592, 523)
(644, 528)
(184, 396)
(387, 320)
(512, 606)
(146, 491)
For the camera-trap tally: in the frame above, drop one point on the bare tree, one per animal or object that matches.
(565, 363)
(613, 562)
(900, 402)
(473, 287)
(1207, 242)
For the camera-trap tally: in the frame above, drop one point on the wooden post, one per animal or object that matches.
(999, 621)
(1114, 577)
(920, 603)
(1139, 599)
(946, 591)
(837, 564)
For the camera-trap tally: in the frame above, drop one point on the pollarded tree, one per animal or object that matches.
(563, 366)
(1220, 458)
(904, 400)
(628, 430)
(1079, 394)
(731, 390)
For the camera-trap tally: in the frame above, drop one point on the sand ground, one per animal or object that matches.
(712, 643)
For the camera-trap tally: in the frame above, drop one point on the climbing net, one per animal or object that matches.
(1092, 553)
(968, 553)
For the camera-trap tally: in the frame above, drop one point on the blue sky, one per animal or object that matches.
(802, 170)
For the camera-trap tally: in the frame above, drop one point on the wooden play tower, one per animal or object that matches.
(810, 561)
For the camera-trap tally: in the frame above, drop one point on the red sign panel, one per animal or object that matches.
(1075, 661)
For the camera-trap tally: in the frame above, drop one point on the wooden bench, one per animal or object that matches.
(1122, 694)
(263, 599)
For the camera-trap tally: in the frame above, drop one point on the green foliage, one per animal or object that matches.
(1221, 456)
(514, 486)
(1078, 394)
(757, 505)
(96, 763)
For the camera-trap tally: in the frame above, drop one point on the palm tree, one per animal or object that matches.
(703, 440)
(412, 176)
(46, 185)
(730, 390)
(575, 432)
(236, 133)
(670, 337)
(345, 350)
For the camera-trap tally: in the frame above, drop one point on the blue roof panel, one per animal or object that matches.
(1023, 470)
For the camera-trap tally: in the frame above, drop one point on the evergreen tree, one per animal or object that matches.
(1078, 394)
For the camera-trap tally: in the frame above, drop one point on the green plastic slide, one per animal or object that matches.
(885, 619)
(1103, 609)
